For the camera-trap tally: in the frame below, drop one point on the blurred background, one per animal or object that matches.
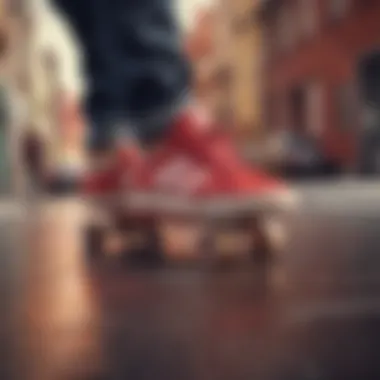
(297, 82)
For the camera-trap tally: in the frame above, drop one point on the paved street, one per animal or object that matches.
(62, 319)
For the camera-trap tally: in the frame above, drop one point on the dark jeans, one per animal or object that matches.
(136, 72)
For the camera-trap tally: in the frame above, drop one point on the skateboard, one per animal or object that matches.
(146, 228)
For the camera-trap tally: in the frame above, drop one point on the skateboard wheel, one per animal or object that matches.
(181, 239)
(142, 245)
(262, 247)
(241, 239)
(228, 242)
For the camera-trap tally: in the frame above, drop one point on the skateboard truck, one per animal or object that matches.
(163, 229)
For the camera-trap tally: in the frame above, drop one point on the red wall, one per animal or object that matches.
(331, 57)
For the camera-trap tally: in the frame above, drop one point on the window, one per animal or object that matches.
(315, 109)
(241, 24)
(308, 17)
(270, 112)
(346, 110)
(338, 8)
(298, 108)
(286, 28)
(267, 45)
(5, 173)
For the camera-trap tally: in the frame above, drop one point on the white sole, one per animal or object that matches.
(281, 201)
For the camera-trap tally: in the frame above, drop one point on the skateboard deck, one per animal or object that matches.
(217, 207)
(185, 228)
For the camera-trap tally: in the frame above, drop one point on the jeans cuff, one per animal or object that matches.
(147, 128)
(156, 122)
(103, 134)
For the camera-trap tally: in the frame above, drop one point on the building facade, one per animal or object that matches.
(14, 63)
(244, 56)
(208, 63)
(226, 54)
(54, 71)
(321, 71)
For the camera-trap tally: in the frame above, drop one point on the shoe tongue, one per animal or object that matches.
(192, 127)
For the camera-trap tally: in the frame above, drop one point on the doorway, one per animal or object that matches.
(369, 81)
(5, 170)
(298, 109)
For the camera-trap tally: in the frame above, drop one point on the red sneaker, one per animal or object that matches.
(112, 175)
(197, 169)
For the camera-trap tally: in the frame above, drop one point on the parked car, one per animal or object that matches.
(369, 147)
(297, 155)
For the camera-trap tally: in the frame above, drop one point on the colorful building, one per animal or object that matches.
(243, 57)
(226, 54)
(321, 70)
(201, 49)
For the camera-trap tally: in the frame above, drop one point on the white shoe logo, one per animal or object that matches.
(202, 119)
(181, 176)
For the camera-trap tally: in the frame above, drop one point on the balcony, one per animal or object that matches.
(266, 3)
(222, 75)
(265, 7)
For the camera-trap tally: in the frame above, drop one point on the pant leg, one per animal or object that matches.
(93, 26)
(156, 73)
(134, 62)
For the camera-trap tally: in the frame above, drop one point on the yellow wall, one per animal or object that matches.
(245, 84)
(245, 56)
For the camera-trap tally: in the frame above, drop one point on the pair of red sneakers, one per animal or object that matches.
(194, 168)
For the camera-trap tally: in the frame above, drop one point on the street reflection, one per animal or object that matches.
(61, 316)
(318, 319)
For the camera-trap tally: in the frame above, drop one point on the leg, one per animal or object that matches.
(155, 73)
(134, 64)
(93, 25)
